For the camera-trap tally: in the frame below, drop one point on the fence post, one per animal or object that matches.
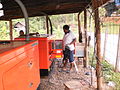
(118, 54)
(106, 32)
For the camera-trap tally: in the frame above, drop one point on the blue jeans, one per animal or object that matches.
(68, 54)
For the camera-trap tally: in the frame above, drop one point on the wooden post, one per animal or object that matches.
(47, 24)
(118, 54)
(106, 32)
(79, 28)
(51, 29)
(11, 32)
(98, 41)
(85, 61)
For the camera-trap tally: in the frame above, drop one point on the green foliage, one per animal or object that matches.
(4, 31)
(38, 24)
(59, 20)
(107, 69)
(110, 75)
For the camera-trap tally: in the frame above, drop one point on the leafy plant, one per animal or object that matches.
(107, 70)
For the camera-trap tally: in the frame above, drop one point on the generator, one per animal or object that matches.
(49, 49)
(19, 65)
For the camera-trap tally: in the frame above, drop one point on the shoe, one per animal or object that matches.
(64, 69)
(61, 66)
(69, 71)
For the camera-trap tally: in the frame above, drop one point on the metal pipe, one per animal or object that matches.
(51, 29)
(26, 18)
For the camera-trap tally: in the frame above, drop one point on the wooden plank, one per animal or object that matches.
(73, 85)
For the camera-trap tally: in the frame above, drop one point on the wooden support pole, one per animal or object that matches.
(118, 54)
(85, 61)
(105, 42)
(79, 29)
(51, 29)
(11, 31)
(47, 25)
(48, 22)
(85, 20)
(98, 48)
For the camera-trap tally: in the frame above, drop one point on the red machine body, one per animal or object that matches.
(47, 51)
(19, 66)
(57, 49)
(45, 44)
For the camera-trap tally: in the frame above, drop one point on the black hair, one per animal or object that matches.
(66, 27)
(21, 30)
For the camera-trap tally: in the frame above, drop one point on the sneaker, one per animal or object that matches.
(69, 71)
(64, 69)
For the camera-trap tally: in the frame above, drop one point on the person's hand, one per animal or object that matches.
(63, 51)
(68, 44)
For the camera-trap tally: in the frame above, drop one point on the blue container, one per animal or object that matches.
(117, 2)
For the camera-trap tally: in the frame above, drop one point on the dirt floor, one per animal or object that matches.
(58, 78)
(84, 79)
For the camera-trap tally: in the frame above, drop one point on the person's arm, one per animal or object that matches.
(74, 40)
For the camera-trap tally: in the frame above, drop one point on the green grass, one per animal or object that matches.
(107, 70)
(110, 75)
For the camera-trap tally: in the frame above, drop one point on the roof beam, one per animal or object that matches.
(98, 3)
(49, 9)
(31, 3)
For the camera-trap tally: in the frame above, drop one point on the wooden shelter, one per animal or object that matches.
(52, 7)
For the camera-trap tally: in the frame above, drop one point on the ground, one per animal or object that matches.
(58, 78)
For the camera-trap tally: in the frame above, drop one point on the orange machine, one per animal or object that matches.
(47, 53)
(56, 49)
(19, 65)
